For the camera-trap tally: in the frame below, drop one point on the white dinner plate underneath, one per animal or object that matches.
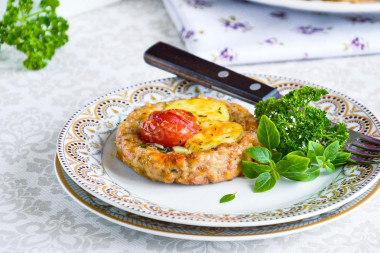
(174, 230)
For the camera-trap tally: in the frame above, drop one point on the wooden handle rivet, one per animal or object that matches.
(223, 74)
(255, 86)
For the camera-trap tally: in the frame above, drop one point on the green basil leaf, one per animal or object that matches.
(317, 148)
(298, 152)
(299, 163)
(264, 182)
(331, 151)
(259, 168)
(320, 160)
(311, 155)
(314, 150)
(340, 164)
(247, 169)
(272, 164)
(267, 133)
(275, 175)
(283, 166)
(260, 154)
(352, 161)
(329, 166)
(296, 176)
(341, 158)
(227, 198)
(252, 170)
(276, 156)
(313, 172)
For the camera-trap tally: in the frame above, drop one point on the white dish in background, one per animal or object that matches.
(324, 6)
(87, 154)
(174, 230)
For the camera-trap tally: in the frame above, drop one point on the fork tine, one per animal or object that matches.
(365, 146)
(359, 160)
(365, 137)
(362, 153)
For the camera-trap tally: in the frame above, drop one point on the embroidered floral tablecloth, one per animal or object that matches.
(105, 53)
(239, 32)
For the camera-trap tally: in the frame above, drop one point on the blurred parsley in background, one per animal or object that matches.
(37, 34)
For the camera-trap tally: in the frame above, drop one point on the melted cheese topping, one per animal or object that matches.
(214, 133)
(203, 109)
(215, 127)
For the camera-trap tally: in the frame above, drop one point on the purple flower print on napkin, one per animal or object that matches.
(272, 41)
(308, 30)
(233, 24)
(362, 20)
(226, 54)
(279, 14)
(200, 4)
(357, 44)
(189, 34)
(186, 34)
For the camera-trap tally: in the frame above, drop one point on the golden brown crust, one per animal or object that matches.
(220, 164)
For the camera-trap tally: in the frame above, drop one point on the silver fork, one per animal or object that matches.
(219, 78)
(360, 145)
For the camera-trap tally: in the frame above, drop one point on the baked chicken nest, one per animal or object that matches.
(222, 163)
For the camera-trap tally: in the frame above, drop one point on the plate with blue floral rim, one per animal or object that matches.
(324, 6)
(87, 153)
(180, 231)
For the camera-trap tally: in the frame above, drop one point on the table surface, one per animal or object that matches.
(104, 54)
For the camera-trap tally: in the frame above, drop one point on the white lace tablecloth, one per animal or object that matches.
(105, 53)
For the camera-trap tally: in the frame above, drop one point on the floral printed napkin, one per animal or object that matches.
(239, 32)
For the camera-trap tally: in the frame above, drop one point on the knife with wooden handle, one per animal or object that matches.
(211, 75)
(219, 78)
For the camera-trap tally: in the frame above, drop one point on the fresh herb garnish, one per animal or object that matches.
(265, 181)
(297, 122)
(36, 34)
(162, 150)
(267, 133)
(227, 198)
(271, 164)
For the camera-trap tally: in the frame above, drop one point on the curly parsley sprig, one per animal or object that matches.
(298, 123)
(36, 34)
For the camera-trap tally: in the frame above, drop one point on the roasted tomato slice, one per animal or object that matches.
(169, 127)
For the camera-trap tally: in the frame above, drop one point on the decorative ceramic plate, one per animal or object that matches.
(87, 153)
(174, 230)
(324, 6)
